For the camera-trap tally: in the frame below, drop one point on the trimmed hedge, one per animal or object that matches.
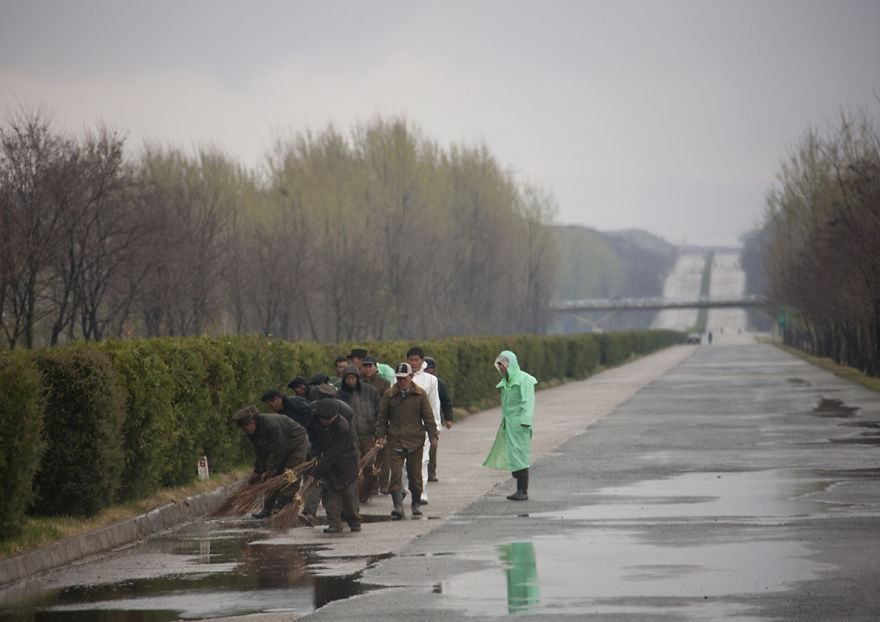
(124, 418)
(81, 471)
(22, 405)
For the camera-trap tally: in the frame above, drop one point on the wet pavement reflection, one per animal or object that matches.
(208, 569)
(595, 570)
(628, 544)
(691, 542)
(592, 568)
(693, 526)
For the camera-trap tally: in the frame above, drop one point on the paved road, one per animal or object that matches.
(741, 484)
(683, 282)
(143, 578)
(699, 483)
(727, 279)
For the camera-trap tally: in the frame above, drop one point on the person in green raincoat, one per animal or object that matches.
(512, 447)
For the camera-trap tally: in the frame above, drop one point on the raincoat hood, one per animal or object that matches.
(514, 373)
(353, 370)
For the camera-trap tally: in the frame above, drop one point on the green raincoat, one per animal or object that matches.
(512, 447)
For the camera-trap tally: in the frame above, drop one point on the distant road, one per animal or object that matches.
(683, 282)
(727, 326)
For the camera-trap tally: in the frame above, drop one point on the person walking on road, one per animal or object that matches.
(445, 412)
(405, 416)
(512, 447)
(371, 377)
(364, 401)
(415, 356)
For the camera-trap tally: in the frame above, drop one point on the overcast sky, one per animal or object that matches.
(665, 115)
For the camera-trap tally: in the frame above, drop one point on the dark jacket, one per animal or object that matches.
(364, 401)
(341, 407)
(406, 420)
(336, 449)
(297, 408)
(276, 437)
(445, 400)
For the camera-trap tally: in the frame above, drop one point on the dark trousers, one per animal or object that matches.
(313, 498)
(432, 462)
(341, 504)
(413, 460)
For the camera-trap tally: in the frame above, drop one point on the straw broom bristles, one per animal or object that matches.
(286, 517)
(242, 499)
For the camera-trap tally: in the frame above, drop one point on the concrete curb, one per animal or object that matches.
(106, 539)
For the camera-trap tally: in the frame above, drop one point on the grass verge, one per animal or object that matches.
(40, 531)
(848, 373)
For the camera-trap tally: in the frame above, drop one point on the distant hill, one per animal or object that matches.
(596, 264)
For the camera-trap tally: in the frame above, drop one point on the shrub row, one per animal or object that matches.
(86, 426)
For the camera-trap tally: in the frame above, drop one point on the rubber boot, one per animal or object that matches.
(397, 499)
(268, 505)
(416, 511)
(522, 486)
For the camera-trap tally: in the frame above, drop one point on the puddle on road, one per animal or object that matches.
(798, 381)
(608, 571)
(829, 407)
(836, 409)
(606, 568)
(755, 495)
(213, 571)
(618, 560)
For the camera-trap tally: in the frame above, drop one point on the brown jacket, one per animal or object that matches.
(405, 421)
(377, 382)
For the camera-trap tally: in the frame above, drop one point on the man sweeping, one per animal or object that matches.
(279, 443)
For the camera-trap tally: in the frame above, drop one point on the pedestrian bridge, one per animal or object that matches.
(693, 302)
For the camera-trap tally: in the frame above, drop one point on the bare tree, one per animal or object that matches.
(822, 229)
(538, 211)
(193, 203)
(35, 169)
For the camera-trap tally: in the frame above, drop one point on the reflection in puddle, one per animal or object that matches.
(632, 545)
(199, 572)
(523, 594)
(613, 571)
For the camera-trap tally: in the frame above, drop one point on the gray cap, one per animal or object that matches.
(245, 416)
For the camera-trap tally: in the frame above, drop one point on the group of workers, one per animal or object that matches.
(388, 418)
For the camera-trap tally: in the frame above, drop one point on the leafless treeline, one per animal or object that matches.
(823, 242)
(378, 233)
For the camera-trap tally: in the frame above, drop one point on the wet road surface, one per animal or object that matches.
(702, 483)
(743, 484)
